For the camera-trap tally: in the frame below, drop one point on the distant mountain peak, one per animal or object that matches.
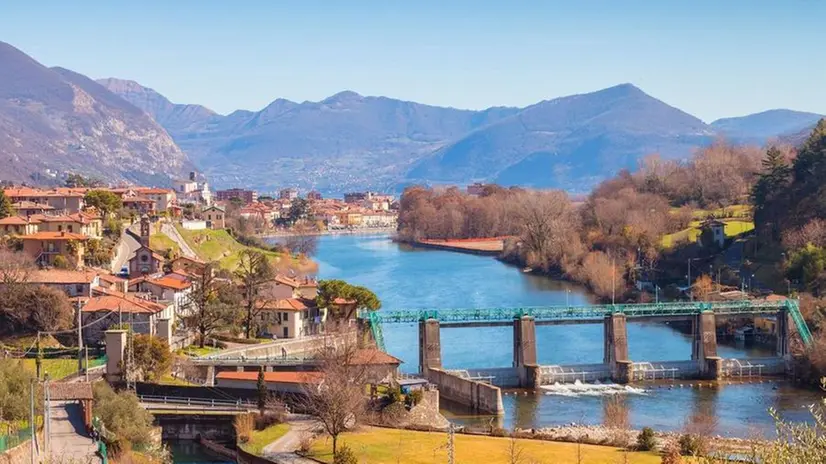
(345, 96)
(116, 85)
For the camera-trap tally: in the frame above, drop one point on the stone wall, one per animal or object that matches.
(475, 395)
(21, 454)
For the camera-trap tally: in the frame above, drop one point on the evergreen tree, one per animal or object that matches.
(6, 208)
(263, 393)
(809, 187)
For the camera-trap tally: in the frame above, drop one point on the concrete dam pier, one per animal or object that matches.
(480, 389)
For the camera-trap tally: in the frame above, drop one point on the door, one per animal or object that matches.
(286, 332)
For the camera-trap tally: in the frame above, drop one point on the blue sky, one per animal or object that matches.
(710, 58)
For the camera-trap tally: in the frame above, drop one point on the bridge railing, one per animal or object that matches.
(184, 401)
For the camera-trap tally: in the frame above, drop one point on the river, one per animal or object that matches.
(406, 278)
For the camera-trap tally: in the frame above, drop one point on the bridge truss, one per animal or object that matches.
(586, 313)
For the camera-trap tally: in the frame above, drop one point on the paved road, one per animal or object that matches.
(170, 231)
(68, 434)
(127, 245)
(283, 450)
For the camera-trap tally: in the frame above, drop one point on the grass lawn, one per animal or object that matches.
(377, 446)
(195, 350)
(161, 242)
(57, 368)
(734, 227)
(261, 438)
(169, 380)
(217, 245)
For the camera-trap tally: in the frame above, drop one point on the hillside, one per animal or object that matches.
(54, 121)
(570, 142)
(765, 125)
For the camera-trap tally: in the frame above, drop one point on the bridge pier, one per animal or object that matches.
(704, 345)
(616, 347)
(524, 351)
(782, 331)
(430, 346)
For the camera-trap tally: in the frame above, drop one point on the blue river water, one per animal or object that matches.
(406, 278)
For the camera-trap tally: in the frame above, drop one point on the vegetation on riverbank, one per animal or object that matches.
(376, 445)
(258, 439)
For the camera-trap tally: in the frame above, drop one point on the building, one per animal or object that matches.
(288, 194)
(164, 198)
(278, 382)
(18, 225)
(60, 200)
(108, 308)
(188, 265)
(717, 230)
(44, 247)
(246, 196)
(169, 288)
(90, 225)
(191, 191)
(139, 204)
(215, 217)
(145, 262)
(283, 286)
(314, 195)
(75, 284)
(30, 208)
(289, 318)
(379, 219)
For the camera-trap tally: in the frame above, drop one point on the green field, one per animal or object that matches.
(161, 242)
(57, 368)
(196, 351)
(734, 227)
(217, 245)
(261, 438)
(376, 446)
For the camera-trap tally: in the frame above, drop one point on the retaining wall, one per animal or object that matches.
(476, 395)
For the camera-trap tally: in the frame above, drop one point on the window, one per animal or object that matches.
(79, 288)
(59, 228)
(286, 317)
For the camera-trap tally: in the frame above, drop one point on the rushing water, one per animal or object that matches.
(405, 278)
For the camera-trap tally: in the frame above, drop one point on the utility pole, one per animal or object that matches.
(656, 294)
(79, 340)
(47, 413)
(688, 277)
(613, 282)
(31, 422)
(86, 351)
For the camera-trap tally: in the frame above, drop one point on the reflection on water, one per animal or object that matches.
(190, 452)
(406, 278)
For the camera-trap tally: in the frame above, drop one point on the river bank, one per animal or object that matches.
(359, 231)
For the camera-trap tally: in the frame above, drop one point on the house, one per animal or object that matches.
(314, 195)
(139, 204)
(168, 288)
(108, 308)
(164, 198)
(76, 284)
(18, 225)
(289, 318)
(113, 282)
(28, 208)
(214, 216)
(380, 367)
(717, 230)
(245, 196)
(62, 200)
(284, 286)
(87, 224)
(279, 382)
(43, 247)
(189, 265)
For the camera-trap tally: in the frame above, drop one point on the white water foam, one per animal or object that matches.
(578, 389)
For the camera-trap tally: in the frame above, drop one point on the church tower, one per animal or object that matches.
(145, 230)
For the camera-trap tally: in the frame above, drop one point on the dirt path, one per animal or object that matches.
(283, 450)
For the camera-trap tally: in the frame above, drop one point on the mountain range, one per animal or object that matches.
(55, 121)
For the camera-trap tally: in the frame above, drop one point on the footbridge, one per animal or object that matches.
(475, 387)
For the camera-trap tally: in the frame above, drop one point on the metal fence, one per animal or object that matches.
(14, 439)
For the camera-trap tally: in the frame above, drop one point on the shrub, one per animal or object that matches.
(123, 416)
(61, 262)
(345, 455)
(305, 443)
(244, 426)
(646, 440)
(671, 455)
(498, 432)
(413, 398)
(394, 396)
(691, 445)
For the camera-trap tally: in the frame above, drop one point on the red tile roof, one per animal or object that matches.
(288, 304)
(59, 276)
(55, 236)
(294, 282)
(274, 377)
(110, 300)
(170, 282)
(372, 357)
(17, 221)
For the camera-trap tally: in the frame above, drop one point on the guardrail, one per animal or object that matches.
(253, 360)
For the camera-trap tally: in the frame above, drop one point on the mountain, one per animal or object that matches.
(54, 121)
(766, 125)
(569, 142)
(344, 141)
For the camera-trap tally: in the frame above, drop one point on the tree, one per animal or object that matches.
(331, 290)
(15, 385)
(152, 357)
(15, 267)
(33, 308)
(123, 416)
(299, 210)
(703, 287)
(253, 272)
(770, 189)
(6, 208)
(213, 304)
(263, 392)
(338, 401)
(105, 201)
(301, 243)
(78, 181)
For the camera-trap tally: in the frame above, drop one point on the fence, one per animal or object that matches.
(13, 439)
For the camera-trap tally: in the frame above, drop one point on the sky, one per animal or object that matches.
(712, 59)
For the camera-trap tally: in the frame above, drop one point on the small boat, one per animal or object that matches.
(527, 270)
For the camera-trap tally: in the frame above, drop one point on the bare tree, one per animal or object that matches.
(213, 304)
(253, 272)
(337, 399)
(15, 267)
(301, 242)
(516, 455)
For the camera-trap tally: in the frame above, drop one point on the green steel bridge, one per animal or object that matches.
(584, 314)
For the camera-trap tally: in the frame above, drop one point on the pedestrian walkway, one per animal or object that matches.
(170, 231)
(68, 437)
(283, 450)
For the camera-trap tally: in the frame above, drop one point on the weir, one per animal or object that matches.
(479, 388)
